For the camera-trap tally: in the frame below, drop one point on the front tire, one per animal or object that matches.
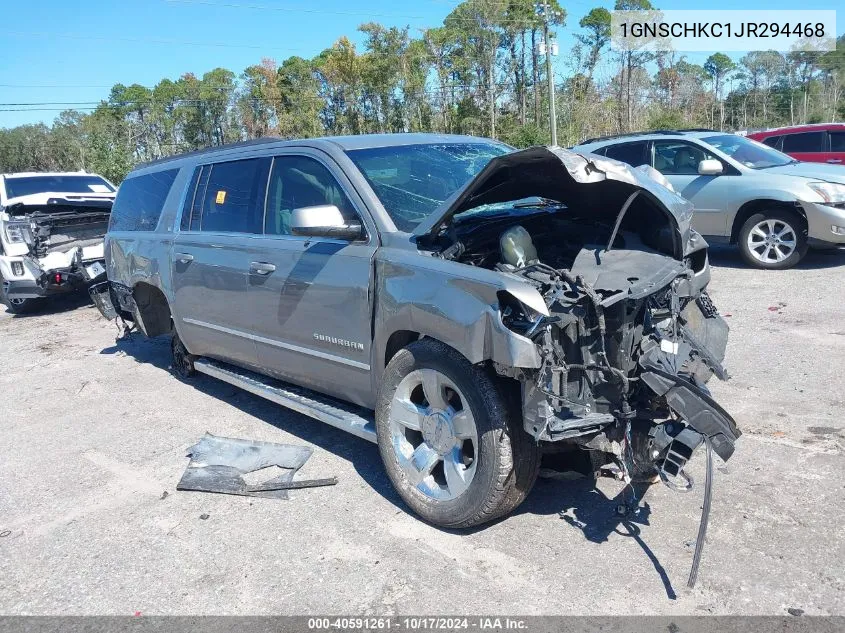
(18, 306)
(183, 361)
(447, 440)
(773, 240)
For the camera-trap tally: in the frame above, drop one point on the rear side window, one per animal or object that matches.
(773, 141)
(234, 197)
(632, 153)
(804, 142)
(140, 201)
(190, 194)
(837, 141)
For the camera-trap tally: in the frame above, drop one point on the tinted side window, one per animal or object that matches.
(189, 200)
(803, 142)
(199, 196)
(632, 153)
(773, 141)
(296, 182)
(140, 200)
(678, 157)
(234, 196)
(837, 141)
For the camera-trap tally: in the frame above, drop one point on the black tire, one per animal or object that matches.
(781, 217)
(18, 306)
(183, 361)
(508, 459)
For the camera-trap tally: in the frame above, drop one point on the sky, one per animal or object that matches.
(63, 53)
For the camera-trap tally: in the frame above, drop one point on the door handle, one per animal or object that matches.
(261, 268)
(834, 160)
(184, 258)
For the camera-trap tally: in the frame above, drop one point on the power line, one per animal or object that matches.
(47, 106)
(237, 5)
(53, 86)
(261, 7)
(145, 40)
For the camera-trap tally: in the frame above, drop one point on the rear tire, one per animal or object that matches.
(774, 239)
(447, 440)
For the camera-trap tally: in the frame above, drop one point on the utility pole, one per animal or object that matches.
(545, 12)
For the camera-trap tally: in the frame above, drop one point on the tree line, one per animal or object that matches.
(481, 72)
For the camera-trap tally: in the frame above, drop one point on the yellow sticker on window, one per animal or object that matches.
(221, 197)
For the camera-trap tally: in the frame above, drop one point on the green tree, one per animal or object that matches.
(718, 65)
(597, 26)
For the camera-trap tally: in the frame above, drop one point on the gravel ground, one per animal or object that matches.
(94, 434)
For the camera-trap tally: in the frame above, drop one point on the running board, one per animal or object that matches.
(344, 416)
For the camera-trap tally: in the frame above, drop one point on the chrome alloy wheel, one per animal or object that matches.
(17, 302)
(433, 434)
(772, 241)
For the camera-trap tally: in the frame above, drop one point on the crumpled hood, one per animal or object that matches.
(57, 197)
(814, 171)
(57, 203)
(557, 174)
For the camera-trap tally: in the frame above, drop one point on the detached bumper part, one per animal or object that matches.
(28, 289)
(101, 296)
(697, 408)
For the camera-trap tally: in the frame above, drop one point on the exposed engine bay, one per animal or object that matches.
(626, 325)
(54, 246)
(627, 334)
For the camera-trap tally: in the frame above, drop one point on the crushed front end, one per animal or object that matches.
(626, 336)
(52, 246)
(624, 371)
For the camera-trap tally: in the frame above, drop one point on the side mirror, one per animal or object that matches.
(710, 167)
(323, 221)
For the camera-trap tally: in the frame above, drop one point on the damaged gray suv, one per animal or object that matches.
(464, 305)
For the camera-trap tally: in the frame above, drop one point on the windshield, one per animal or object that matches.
(413, 180)
(27, 185)
(750, 153)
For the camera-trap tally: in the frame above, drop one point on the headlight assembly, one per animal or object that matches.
(830, 192)
(18, 232)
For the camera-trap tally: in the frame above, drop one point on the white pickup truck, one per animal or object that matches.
(52, 227)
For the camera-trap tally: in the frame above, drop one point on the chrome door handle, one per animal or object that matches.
(184, 258)
(834, 160)
(261, 268)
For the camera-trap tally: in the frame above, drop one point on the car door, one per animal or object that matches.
(678, 161)
(807, 146)
(222, 218)
(836, 155)
(311, 298)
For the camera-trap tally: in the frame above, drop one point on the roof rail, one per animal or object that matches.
(697, 129)
(626, 134)
(210, 150)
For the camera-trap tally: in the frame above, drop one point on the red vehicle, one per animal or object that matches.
(821, 143)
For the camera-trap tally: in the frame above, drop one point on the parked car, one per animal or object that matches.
(821, 143)
(52, 227)
(769, 204)
(463, 306)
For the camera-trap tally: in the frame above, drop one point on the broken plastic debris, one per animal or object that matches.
(219, 463)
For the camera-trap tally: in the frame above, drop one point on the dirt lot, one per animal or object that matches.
(94, 433)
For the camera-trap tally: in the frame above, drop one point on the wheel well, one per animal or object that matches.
(153, 312)
(756, 206)
(398, 340)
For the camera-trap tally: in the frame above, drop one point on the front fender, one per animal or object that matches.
(454, 303)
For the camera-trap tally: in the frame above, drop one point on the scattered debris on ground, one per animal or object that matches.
(219, 464)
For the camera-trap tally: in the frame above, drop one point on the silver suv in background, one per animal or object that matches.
(52, 227)
(464, 306)
(769, 204)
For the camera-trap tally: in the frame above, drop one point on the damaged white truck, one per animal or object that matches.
(464, 305)
(52, 227)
